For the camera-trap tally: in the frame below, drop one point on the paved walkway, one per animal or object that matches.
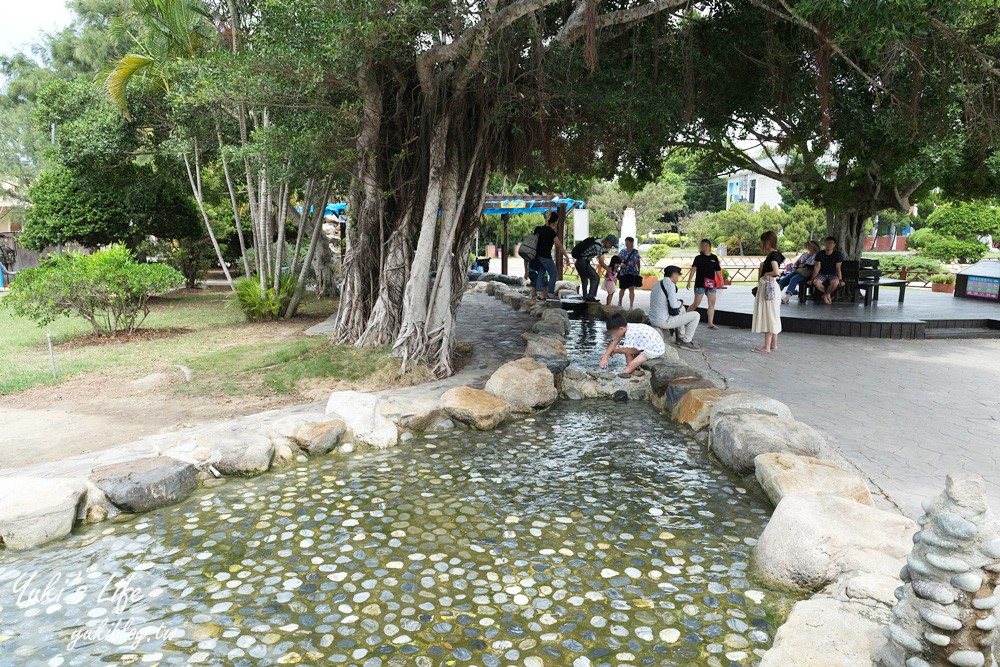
(905, 412)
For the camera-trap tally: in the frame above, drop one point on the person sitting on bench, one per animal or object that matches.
(827, 275)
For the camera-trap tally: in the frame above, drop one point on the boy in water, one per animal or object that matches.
(638, 342)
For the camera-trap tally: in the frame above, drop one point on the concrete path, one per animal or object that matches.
(905, 412)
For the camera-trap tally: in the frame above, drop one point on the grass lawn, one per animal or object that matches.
(201, 330)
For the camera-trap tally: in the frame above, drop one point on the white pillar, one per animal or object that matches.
(628, 224)
(581, 224)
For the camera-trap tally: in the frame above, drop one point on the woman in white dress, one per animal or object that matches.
(767, 306)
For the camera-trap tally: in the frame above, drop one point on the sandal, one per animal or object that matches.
(712, 326)
(638, 374)
(625, 375)
(762, 350)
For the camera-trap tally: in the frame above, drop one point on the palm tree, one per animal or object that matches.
(162, 30)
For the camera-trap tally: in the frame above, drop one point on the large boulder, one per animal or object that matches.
(823, 632)
(608, 311)
(526, 385)
(749, 403)
(636, 315)
(242, 452)
(566, 286)
(34, 510)
(677, 389)
(146, 484)
(695, 406)
(244, 448)
(475, 407)
(314, 433)
(812, 539)
(782, 473)
(365, 423)
(414, 413)
(548, 349)
(512, 299)
(557, 327)
(664, 372)
(737, 439)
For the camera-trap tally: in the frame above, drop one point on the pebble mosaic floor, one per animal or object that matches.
(593, 534)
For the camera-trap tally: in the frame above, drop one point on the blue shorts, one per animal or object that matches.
(704, 290)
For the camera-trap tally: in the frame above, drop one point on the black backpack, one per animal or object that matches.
(581, 246)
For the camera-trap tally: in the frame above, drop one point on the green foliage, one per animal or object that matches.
(649, 271)
(262, 305)
(740, 227)
(608, 201)
(965, 220)
(920, 238)
(805, 222)
(914, 264)
(671, 239)
(656, 252)
(192, 257)
(943, 279)
(93, 210)
(109, 289)
(703, 189)
(955, 250)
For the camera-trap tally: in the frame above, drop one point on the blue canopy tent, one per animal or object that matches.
(508, 205)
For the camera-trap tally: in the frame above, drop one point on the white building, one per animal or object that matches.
(751, 188)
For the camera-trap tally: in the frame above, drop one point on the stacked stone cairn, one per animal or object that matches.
(945, 609)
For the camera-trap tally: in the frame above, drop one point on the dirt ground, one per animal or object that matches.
(92, 413)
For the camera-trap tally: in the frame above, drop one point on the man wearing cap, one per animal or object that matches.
(583, 253)
(666, 310)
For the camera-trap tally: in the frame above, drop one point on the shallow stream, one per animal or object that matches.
(593, 534)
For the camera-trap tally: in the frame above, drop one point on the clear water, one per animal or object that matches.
(594, 535)
(587, 341)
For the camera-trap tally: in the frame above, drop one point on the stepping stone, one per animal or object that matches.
(146, 484)
(34, 511)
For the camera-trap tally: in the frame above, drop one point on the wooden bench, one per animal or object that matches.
(859, 276)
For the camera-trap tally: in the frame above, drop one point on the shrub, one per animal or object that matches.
(912, 263)
(965, 220)
(668, 239)
(261, 305)
(951, 249)
(921, 238)
(109, 289)
(192, 257)
(657, 252)
(943, 279)
(650, 272)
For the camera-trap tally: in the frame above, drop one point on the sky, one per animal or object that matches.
(22, 21)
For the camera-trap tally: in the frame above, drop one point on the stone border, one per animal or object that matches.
(824, 538)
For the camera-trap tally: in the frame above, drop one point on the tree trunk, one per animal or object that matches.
(423, 165)
(364, 253)
(848, 227)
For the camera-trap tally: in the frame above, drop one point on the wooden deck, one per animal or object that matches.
(924, 314)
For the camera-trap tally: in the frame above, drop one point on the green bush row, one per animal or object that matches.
(655, 253)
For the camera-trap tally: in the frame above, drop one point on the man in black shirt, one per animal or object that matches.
(827, 275)
(547, 237)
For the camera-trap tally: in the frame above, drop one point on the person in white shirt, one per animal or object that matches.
(638, 342)
(666, 310)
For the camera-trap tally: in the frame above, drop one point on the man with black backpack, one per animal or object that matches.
(583, 253)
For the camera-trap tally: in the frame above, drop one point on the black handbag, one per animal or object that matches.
(754, 291)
